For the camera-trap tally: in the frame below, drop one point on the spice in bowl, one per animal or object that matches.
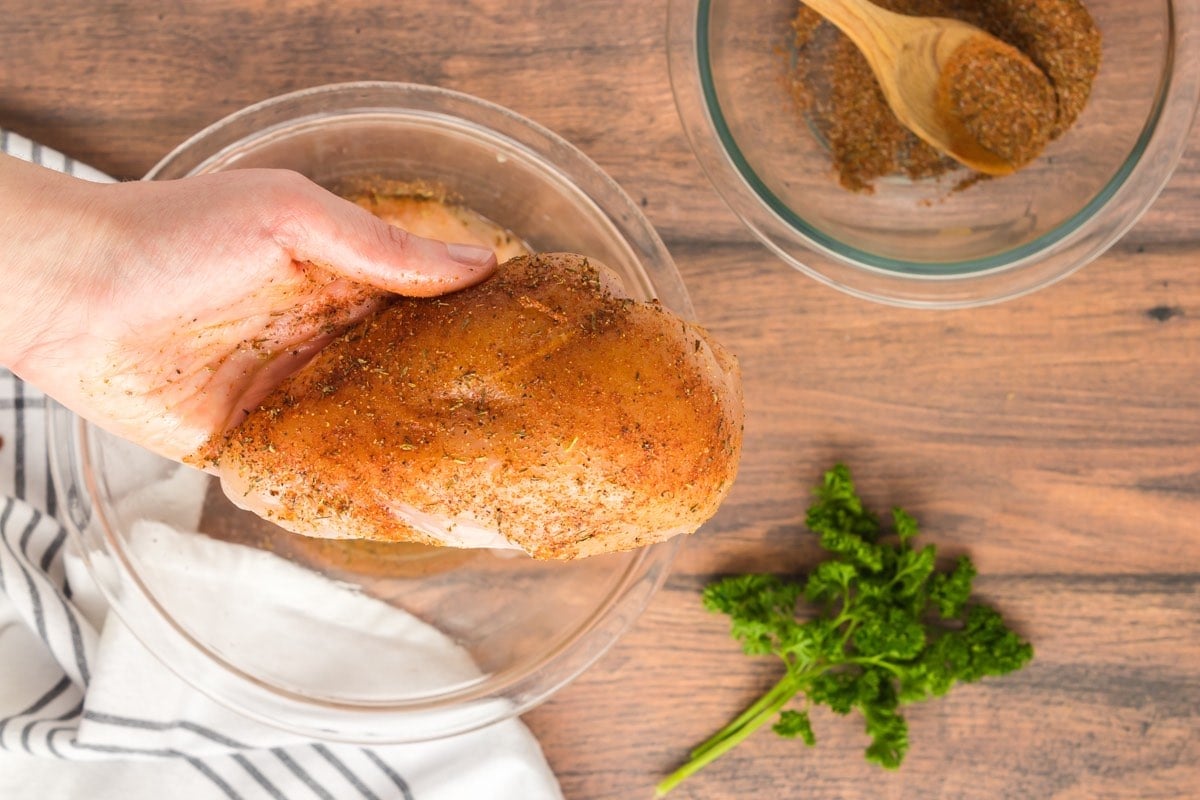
(841, 100)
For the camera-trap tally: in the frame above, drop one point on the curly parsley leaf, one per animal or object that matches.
(892, 630)
(795, 724)
(762, 609)
(951, 591)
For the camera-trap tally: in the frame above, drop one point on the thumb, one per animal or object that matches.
(351, 241)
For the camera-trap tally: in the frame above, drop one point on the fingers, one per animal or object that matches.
(348, 240)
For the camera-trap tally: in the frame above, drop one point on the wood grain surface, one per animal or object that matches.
(1056, 437)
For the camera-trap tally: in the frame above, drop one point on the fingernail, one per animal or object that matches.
(470, 254)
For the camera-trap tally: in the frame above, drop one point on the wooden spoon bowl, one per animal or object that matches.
(921, 64)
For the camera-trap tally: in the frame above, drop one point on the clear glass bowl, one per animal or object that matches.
(918, 243)
(528, 626)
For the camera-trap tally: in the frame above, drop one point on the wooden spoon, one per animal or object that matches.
(909, 56)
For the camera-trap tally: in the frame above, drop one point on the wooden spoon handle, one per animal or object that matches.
(877, 32)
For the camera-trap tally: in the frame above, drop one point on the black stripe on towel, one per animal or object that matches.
(293, 766)
(151, 725)
(51, 497)
(36, 598)
(46, 699)
(52, 549)
(76, 642)
(72, 714)
(4, 515)
(23, 544)
(18, 407)
(350, 777)
(27, 733)
(259, 778)
(391, 773)
(49, 697)
(209, 773)
(53, 748)
(203, 768)
(301, 773)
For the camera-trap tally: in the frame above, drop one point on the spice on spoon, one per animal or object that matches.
(1000, 98)
(841, 100)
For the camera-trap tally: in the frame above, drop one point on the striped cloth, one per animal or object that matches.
(87, 712)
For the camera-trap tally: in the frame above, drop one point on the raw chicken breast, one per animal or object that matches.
(430, 211)
(541, 410)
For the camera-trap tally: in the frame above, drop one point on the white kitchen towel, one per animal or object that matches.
(87, 712)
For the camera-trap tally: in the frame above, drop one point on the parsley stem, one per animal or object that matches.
(732, 734)
(785, 688)
(876, 661)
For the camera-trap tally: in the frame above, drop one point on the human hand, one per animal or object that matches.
(164, 311)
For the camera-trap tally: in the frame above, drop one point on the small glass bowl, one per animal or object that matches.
(922, 243)
(529, 627)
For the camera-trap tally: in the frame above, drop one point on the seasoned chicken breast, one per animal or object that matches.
(542, 410)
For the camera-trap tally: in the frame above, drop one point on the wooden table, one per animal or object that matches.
(1056, 438)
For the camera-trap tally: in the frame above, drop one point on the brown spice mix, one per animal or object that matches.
(837, 92)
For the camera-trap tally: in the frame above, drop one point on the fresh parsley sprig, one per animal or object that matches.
(893, 629)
